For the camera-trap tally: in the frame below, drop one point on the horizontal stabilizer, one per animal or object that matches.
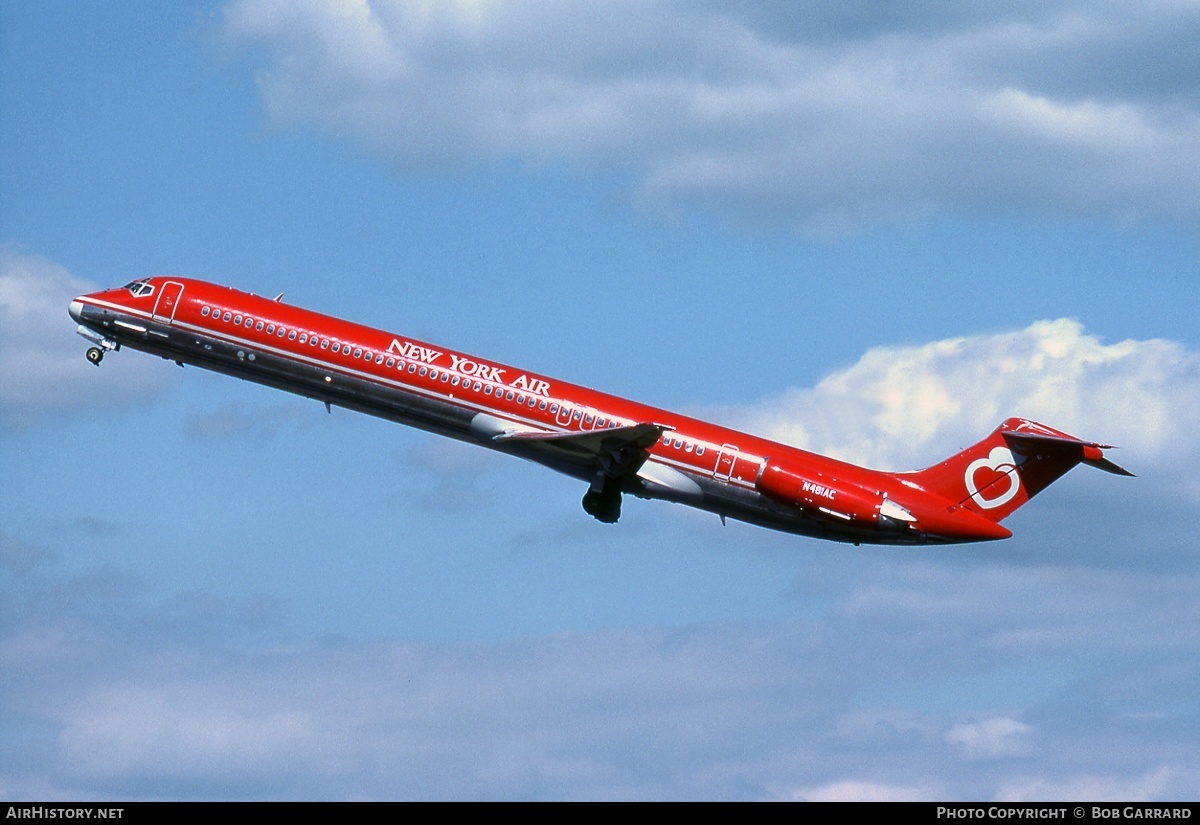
(1107, 466)
(1088, 452)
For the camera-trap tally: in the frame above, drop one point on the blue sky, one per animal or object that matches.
(870, 232)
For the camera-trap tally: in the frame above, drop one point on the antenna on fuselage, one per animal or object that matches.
(279, 297)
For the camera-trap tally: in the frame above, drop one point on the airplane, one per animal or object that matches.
(616, 446)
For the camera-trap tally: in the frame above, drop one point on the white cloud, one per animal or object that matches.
(1155, 785)
(852, 791)
(996, 736)
(42, 368)
(125, 700)
(1081, 123)
(827, 118)
(906, 407)
(126, 728)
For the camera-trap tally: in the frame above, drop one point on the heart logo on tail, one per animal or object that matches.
(1001, 462)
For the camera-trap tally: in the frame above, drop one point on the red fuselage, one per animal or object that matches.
(618, 446)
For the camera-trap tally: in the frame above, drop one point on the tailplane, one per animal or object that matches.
(1012, 465)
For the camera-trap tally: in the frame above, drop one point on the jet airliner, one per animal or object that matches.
(614, 446)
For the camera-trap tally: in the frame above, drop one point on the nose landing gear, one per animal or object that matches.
(103, 343)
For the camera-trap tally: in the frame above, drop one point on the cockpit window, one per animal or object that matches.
(140, 288)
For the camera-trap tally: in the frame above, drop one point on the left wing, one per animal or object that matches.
(615, 460)
(618, 452)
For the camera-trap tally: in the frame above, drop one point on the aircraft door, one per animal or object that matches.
(725, 461)
(169, 296)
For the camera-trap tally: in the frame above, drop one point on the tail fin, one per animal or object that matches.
(1012, 465)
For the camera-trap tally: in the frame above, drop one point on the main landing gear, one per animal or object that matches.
(603, 501)
(95, 355)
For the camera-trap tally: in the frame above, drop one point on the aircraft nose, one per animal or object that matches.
(76, 310)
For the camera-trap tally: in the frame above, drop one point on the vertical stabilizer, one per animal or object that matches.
(1018, 460)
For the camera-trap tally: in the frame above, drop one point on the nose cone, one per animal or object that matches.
(76, 310)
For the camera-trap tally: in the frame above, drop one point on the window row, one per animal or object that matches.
(686, 446)
(368, 355)
(576, 416)
(300, 336)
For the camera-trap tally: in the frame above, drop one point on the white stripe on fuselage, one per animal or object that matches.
(460, 401)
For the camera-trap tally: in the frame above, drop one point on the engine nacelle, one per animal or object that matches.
(827, 498)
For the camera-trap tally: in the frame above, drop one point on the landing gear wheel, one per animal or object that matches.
(604, 507)
(95, 355)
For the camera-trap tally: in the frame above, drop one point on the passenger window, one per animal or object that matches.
(324, 343)
(576, 415)
(542, 405)
(553, 408)
(226, 317)
(687, 448)
(454, 381)
(357, 352)
(412, 367)
(292, 335)
(510, 395)
(487, 390)
(588, 418)
(699, 450)
(204, 312)
(312, 342)
(391, 362)
(424, 371)
(270, 329)
(379, 359)
(303, 338)
(280, 332)
(237, 319)
(478, 386)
